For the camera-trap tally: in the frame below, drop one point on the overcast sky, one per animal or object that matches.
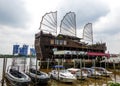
(20, 20)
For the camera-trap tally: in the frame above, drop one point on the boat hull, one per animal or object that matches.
(16, 77)
(38, 77)
(68, 80)
(38, 81)
(14, 82)
(62, 77)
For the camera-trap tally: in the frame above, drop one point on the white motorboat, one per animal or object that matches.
(16, 77)
(62, 74)
(78, 73)
(103, 71)
(91, 72)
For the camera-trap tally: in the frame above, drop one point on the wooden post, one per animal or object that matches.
(84, 62)
(105, 63)
(74, 62)
(36, 73)
(80, 63)
(100, 62)
(40, 64)
(114, 70)
(94, 65)
(30, 65)
(58, 69)
(24, 64)
(48, 64)
(62, 62)
(4, 69)
(36, 64)
(119, 65)
(81, 68)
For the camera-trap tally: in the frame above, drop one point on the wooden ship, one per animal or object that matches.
(50, 44)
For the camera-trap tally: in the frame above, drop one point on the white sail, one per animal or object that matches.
(68, 24)
(49, 23)
(88, 33)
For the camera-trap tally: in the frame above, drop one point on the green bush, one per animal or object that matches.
(114, 84)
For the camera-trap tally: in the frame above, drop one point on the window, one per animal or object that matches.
(65, 42)
(61, 42)
(51, 41)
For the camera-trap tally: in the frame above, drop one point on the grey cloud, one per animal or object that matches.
(110, 29)
(86, 10)
(13, 13)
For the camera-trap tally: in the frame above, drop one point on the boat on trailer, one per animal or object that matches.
(61, 74)
(78, 73)
(103, 71)
(38, 77)
(16, 77)
(92, 73)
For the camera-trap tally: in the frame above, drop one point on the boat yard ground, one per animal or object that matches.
(103, 81)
